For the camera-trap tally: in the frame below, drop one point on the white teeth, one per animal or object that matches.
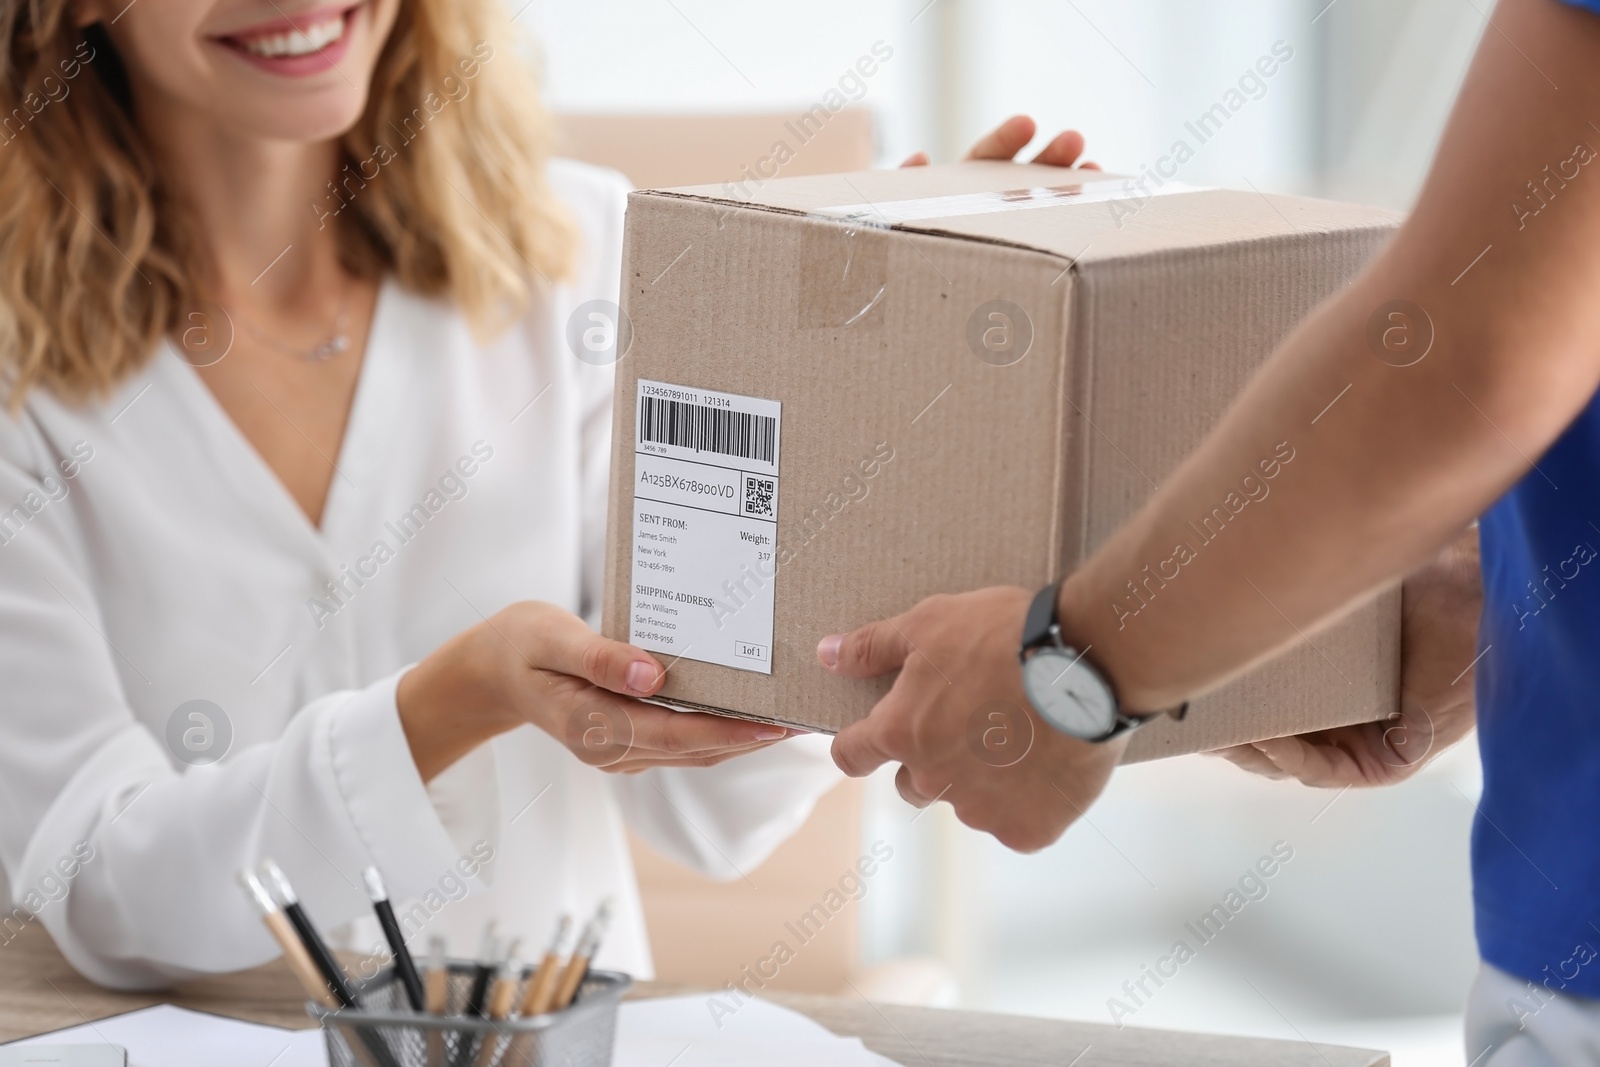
(297, 42)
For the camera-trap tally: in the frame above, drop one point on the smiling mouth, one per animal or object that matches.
(293, 38)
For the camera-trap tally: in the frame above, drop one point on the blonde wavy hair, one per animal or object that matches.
(97, 257)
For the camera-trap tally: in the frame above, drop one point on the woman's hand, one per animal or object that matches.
(1012, 136)
(1438, 642)
(535, 663)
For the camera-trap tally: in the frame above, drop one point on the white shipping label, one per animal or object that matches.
(705, 525)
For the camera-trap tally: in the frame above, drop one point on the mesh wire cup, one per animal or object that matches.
(383, 1031)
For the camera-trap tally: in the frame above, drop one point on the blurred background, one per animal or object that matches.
(1364, 936)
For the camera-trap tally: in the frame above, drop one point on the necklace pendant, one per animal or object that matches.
(330, 348)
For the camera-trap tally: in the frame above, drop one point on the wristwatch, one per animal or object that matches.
(1063, 687)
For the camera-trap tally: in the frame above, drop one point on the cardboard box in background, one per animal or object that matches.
(702, 939)
(663, 150)
(978, 395)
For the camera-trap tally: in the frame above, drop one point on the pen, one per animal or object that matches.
(541, 988)
(488, 958)
(294, 951)
(436, 996)
(280, 921)
(314, 944)
(403, 965)
(490, 954)
(502, 997)
(578, 966)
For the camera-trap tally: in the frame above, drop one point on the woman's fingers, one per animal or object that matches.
(563, 643)
(582, 692)
(604, 730)
(1063, 151)
(1006, 139)
(635, 764)
(691, 733)
(1012, 136)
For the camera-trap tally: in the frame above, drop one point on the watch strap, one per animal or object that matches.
(1041, 618)
(1125, 724)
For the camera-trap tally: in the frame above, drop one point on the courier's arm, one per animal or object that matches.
(1394, 468)
(1408, 454)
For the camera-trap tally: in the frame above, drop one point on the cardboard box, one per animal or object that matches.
(665, 149)
(848, 392)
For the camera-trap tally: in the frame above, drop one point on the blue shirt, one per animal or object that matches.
(1536, 838)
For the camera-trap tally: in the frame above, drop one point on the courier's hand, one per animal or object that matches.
(1438, 638)
(1012, 136)
(958, 722)
(536, 663)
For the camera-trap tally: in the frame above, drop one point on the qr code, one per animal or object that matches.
(758, 494)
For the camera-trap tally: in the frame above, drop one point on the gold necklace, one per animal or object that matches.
(337, 342)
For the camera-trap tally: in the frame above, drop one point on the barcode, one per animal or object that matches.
(706, 429)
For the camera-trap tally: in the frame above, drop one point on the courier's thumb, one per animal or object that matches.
(874, 649)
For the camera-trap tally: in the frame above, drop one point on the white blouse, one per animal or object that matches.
(149, 558)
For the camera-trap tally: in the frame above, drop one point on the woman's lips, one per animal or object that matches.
(305, 44)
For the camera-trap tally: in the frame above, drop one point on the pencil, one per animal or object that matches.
(317, 948)
(404, 968)
(503, 995)
(436, 996)
(542, 987)
(294, 951)
(578, 966)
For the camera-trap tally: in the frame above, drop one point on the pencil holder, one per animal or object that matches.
(383, 1031)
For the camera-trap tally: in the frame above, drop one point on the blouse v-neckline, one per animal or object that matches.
(266, 493)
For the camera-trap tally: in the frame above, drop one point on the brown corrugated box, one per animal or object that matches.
(668, 149)
(982, 370)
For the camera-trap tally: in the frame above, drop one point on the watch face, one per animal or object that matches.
(1069, 694)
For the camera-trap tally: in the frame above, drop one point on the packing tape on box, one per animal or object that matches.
(957, 205)
(843, 276)
(844, 267)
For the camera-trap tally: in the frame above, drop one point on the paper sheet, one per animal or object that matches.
(165, 1036)
(733, 1052)
(650, 1033)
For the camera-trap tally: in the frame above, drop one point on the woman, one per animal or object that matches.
(283, 305)
(293, 392)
